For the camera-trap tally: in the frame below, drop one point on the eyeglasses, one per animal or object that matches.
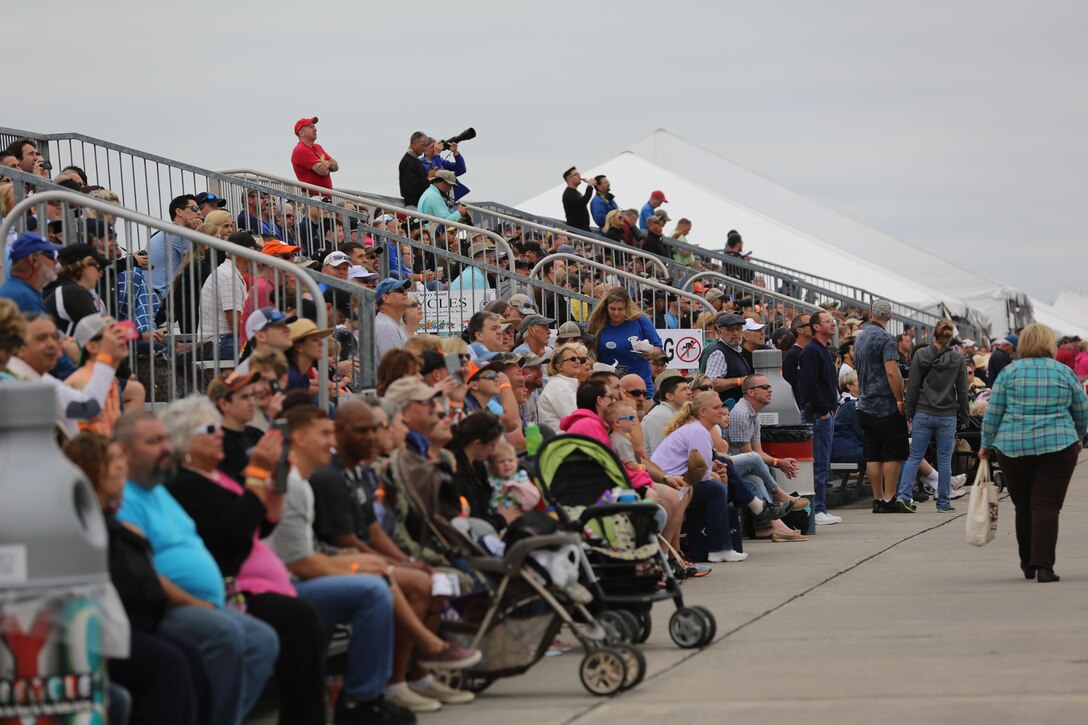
(704, 388)
(636, 393)
(626, 417)
(765, 386)
(208, 429)
(489, 376)
(195, 208)
(579, 358)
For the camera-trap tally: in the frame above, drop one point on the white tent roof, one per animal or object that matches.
(929, 278)
(1073, 305)
(767, 237)
(1059, 320)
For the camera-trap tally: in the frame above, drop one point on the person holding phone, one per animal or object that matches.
(89, 335)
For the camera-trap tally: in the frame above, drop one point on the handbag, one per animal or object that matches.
(982, 508)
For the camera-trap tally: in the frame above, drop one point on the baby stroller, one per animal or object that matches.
(515, 616)
(574, 473)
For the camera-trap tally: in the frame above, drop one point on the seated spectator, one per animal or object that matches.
(13, 334)
(474, 439)
(266, 329)
(391, 299)
(413, 315)
(621, 419)
(654, 241)
(32, 267)
(395, 365)
(311, 164)
(485, 328)
(73, 295)
(165, 670)
(89, 336)
(307, 342)
(335, 264)
(270, 367)
(472, 277)
(239, 650)
(434, 200)
(229, 518)
(259, 216)
(39, 353)
(672, 392)
(847, 443)
(558, 399)
(233, 396)
(209, 204)
(593, 398)
(483, 388)
(222, 299)
(166, 251)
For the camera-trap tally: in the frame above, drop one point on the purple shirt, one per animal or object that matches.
(672, 455)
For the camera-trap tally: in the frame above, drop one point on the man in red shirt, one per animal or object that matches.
(312, 165)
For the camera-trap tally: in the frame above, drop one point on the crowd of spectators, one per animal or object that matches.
(249, 526)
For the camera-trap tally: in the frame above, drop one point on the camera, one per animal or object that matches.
(467, 134)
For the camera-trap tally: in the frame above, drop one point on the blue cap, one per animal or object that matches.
(389, 284)
(28, 243)
(479, 351)
(1013, 339)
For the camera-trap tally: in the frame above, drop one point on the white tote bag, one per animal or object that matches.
(982, 508)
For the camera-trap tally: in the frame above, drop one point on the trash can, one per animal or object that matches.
(792, 441)
(53, 571)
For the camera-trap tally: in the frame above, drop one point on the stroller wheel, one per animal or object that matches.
(709, 617)
(645, 625)
(603, 672)
(454, 679)
(635, 662)
(633, 625)
(999, 480)
(688, 628)
(615, 626)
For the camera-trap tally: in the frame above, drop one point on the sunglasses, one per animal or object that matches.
(626, 417)
(489, 376)
(765, 386)
(195, 208)
(208, 429)
(704, 388)
(636, 393)
(577, 358)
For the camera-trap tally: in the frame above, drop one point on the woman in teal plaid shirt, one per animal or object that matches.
(1037, 416)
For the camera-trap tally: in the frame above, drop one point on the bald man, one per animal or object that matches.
(634, 389)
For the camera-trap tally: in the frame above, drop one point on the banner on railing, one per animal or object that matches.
(683, 348)
(448, 312)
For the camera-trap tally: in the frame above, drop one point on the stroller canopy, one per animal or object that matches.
(575, 470)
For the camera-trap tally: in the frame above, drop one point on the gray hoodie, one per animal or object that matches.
(937, 384)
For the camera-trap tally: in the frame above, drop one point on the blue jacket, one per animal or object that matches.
(599, 206)
(646, 213)
(457, 166)
(847, 442)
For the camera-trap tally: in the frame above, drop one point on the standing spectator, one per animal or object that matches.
(432, 159)
(1001, 351)
(27, 156)
(391, 297)
(818, 399)
(603, 202)
(616, 323)
(222, 298)
(574, 203)
(880, 408)
(311, 163)
(1067, 351)
(657, 198)
(905, 343)
(432, 201)
(412, 174)
(1037, 416)
(239, 650)
(725, 365)
(802, 333)
(1080, 367)
(166, 251)
(33, 266)
(734, 247)
(936, 397)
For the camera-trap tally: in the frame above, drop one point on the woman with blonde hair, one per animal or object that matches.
(1037, 416)
(222, 223)
(615, 322)
(936, 401)
(559, 398)
(12, 335)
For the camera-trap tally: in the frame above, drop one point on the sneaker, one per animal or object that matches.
(825, 519)
(409, 698)
(725, 555)
(772, 511)
(701, 570)
(371, 712)
(959, 481)
(800, 503)
(444, 693)
(886, 507)
(452, 657)
(957, 492)
(929, 487)
(904, 507)
(945, 510)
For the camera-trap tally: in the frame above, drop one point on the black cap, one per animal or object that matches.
(75, 252)
(432, 361)
(95, 228)
(243, 239)
(205, 198)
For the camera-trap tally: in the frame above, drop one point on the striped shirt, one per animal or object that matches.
(1037, 406)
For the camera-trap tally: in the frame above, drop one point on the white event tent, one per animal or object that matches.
(788, 229)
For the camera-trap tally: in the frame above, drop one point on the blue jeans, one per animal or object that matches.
(239, 654)
(707, 519)
(755, 472)
(923, 429)
(823, 431)
(364, 602)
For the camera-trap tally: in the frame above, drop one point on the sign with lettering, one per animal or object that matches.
(448, 312)
(683, 348)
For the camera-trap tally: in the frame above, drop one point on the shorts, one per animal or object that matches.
(886, 437)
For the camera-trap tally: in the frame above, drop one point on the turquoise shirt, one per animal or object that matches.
(179, 552)
(1037, 406)
(433, 203)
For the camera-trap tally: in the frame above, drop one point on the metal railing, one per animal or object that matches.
(168, 361)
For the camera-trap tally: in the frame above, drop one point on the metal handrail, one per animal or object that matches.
(75, 199)
(754, 289)
(600, 242)
(643, 281)
(500, 243)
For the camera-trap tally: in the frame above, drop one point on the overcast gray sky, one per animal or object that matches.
(958, 126)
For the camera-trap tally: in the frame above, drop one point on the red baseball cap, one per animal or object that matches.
(304, 122)
(653, 195)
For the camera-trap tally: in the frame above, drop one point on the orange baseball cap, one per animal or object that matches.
(276, 248)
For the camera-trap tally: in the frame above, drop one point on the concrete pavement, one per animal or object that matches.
(890, 618)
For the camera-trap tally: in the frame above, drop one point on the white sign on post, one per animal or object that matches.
(684, 347)
(447, 312)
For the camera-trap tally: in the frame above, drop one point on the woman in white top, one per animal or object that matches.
(558, 399)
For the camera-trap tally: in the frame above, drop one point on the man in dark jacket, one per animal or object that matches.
(1000, 358)
(574, 203)
(412, 174)
(653, 243)
(818, 397)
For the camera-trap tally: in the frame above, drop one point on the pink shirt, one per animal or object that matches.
(262, 571)
(1080, 367)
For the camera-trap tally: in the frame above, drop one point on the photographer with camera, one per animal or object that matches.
(432, 160)
(433, 201)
